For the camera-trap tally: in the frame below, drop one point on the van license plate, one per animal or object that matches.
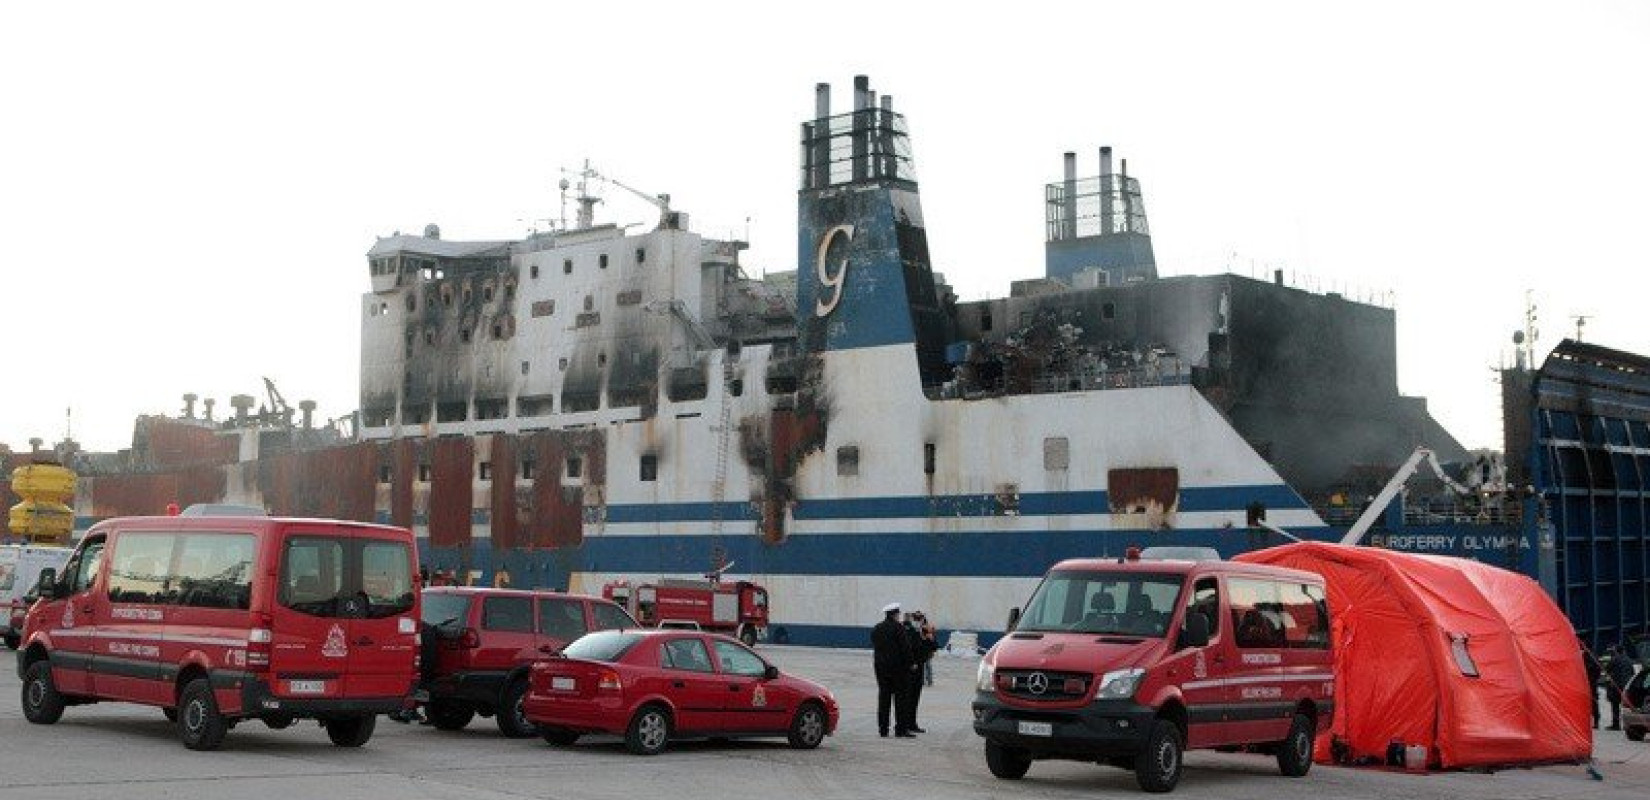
(311, 687)
(562, 684)
(1036, 729)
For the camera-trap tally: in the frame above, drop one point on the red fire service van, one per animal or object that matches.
(221, 619)
(736, 608)
(1130, 661)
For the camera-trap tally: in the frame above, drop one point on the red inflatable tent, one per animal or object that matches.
(1473, 662)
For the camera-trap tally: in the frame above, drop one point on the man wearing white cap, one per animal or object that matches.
(891, 653)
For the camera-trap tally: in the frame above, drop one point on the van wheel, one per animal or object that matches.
(42, 705)
(512, 711)
(648, 732)
(808, 728)
(558, 737)
(449, 715)
(1007, 763)
(200, 726)
(748, 636)
(1295, 753)
(351, 731)
(1157, 768)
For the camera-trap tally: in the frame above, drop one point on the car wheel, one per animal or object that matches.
(449, 715)
(648, 732)
(1636, 734)
(808, 727)
(558, 737)
(1157, 768)
(1007, 763)
(1295, 752)
(42, 705)
(351, 731)
(512, 711)
(748, 636)
(200, 726)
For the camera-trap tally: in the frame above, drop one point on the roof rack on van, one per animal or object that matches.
(222, 510)
(1179, 553)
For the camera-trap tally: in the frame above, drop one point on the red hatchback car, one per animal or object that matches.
(656, 685)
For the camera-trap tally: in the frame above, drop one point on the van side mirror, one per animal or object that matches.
(1013, 619)
(770, 673)
(1195, 633)
(46, 587)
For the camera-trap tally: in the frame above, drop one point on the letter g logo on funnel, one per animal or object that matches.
(833, 281)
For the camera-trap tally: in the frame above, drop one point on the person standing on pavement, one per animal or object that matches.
(891, 655)
(1595, 674)
(1619, 671)
(921, 638)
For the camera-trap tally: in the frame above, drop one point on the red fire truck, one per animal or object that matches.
(736, 608)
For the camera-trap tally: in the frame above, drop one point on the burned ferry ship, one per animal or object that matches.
(588, 403)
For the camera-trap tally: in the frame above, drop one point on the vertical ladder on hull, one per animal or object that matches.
(719, 480)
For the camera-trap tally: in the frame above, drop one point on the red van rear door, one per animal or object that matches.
(344, 616)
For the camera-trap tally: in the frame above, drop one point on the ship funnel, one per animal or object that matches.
(308, 407)
(189, 405)
(1068, 226)
(208, 403)
(242, 403)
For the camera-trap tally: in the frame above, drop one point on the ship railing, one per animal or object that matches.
(1059, 382)
(1432, 512)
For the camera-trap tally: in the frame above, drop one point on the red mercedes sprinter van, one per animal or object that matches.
(1128, 662)
(221, 619)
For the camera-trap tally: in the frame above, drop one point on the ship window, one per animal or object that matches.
(567, 267)
(487, 293)
(847, 461)
(650, 467)
(524, 366)
(446, 298)
(562, 364)
(589, 303)
(602, 261)
(498, 331)
(423, 473)
(1107, 311)
(429, 336)
(464, 334)
(485, 470)
(928, 458)
(533, 272)
(601, 359)
(527, 465)
(1056, 453)
(1025, 319)
(509, 291)
(467, 295)
(412, 303)
(736, 387)
(641, 255)
(575, 467)
(985, 319)
(383, 473)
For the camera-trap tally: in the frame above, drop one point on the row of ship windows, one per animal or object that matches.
(601, 262)
(847, 463)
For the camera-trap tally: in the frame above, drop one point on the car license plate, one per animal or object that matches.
(562, 684)
(307, 687)
(1036, 729)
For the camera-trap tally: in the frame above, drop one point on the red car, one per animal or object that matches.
(651, 686)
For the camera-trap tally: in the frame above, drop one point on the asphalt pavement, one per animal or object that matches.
(126, 752)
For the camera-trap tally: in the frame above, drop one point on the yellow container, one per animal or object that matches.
(44, 516)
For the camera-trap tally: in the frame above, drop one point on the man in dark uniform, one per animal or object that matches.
(921, 638)
(891, 653)
(1595, 673)
(1619, 670)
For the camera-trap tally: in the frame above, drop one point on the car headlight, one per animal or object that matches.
(985, 679)
(1120, 683)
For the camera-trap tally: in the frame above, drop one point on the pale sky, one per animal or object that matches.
(188, 191)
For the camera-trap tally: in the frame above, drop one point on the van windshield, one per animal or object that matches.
(344, 576)
(1118, 603)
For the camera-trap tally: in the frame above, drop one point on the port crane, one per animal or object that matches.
(1395, 485)
(587, 202)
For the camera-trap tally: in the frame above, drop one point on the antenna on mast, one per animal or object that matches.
(1581, 322)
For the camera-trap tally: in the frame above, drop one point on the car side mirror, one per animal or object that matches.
(1013, 619)
(770, 673)
(46, 587)
(1195, 633)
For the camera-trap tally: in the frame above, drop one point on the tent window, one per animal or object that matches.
(1463, 659)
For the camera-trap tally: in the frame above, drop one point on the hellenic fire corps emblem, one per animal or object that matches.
(68, 615)
(759, 698)
(335, 646)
